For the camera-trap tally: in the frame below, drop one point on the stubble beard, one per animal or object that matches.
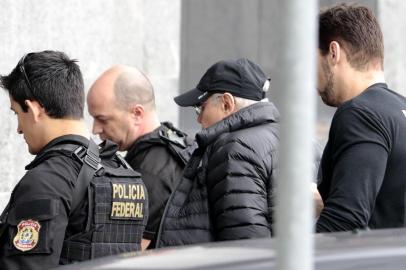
(328, 94)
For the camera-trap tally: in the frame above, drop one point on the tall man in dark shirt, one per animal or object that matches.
(363, 165)
(122, 103)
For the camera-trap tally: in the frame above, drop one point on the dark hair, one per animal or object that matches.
(356, 29)
(50, 78)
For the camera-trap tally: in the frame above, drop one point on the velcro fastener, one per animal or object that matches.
(41, 209)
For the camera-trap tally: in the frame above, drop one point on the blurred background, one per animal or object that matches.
(173, 41)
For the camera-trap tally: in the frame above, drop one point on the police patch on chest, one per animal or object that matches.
(27, 235)
(128, 201)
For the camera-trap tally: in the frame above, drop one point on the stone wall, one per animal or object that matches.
(391, 14)
(99, 33)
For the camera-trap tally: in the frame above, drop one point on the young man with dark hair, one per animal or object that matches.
(50, 219)
(362, 168)
(58, 85)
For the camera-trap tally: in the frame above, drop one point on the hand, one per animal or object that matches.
(318, 201)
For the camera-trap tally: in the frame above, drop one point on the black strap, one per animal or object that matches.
(120, 172)
(91, 164)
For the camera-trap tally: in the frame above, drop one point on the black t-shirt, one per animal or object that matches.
(38, 212)
(363, 167)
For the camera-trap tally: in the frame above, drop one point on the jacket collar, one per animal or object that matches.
(253, 115)
(152, 138)
(143, 143)
(65, 139)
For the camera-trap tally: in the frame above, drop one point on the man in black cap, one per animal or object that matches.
(226, 189)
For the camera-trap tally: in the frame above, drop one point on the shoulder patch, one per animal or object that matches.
(27, 235)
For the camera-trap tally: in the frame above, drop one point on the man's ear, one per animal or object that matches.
(35, 108)
(228, 103)
(335, 51)
(137, 113)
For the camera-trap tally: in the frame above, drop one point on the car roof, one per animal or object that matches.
(372, 250)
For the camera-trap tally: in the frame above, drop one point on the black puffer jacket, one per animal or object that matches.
(226, 189)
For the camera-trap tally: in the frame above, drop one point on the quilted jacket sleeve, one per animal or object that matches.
(236, 181)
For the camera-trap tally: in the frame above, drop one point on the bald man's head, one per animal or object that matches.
(122, 104)
(127, 85)
(133, 87)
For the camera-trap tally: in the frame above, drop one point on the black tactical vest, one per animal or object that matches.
(117, 206)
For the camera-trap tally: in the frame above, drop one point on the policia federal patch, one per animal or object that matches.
(128, 201)
(27, 235)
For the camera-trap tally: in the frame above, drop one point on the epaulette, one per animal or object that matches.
(173, 135)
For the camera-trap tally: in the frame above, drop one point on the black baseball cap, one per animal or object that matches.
(241, 78)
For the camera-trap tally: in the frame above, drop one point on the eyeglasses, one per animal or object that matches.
(22, 69)
(27, 81)
(29, 89)
(199, 108)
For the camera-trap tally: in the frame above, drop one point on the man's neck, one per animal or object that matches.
(61, 127)
(150, 123)
(359, 81)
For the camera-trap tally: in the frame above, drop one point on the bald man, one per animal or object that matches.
(122, 104)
